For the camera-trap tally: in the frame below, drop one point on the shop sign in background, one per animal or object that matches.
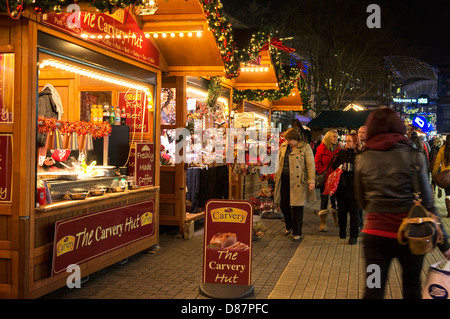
(227, 243)
(80, 239)
(118, 32)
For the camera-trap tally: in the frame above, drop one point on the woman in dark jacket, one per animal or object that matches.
(345, 194)
(384, 189)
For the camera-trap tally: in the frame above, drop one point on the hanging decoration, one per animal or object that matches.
(214, 91)
(48, 125)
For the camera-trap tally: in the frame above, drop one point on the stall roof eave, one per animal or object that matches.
(185, 55)
(336, 119)
(293, 102)
(262, 80)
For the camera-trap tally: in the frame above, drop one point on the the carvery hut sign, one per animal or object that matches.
(80, 239)
(117, 32)
(227, 242)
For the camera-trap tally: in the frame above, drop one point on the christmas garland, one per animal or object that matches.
(16, 7)
(214, 91)
(233, 58)
(220, 28)
(213, 10)
(47, 125)
(263, 39)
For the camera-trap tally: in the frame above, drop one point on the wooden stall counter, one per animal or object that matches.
(92, 233)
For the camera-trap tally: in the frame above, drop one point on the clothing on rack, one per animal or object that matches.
(205, 183)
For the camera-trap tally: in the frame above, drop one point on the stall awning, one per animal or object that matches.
(179, 28)
(338, 119)
(258, 76)
(293, 102)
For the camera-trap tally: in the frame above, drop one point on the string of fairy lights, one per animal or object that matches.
(235, 60)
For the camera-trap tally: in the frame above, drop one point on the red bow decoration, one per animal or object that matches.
(275, 42)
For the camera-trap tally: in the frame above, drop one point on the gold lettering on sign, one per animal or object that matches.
(3, 193)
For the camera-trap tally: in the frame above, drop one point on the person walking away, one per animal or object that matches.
(325, 154)
(384, 189)
(294, 180)
(437, 144)
(345, 194)
(420, 145)
(442, 163)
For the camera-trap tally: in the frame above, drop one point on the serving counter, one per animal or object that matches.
(48, 275)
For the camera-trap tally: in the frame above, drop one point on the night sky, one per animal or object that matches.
(425, 25)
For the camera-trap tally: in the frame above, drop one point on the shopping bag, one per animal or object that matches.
(333, 182)
(437, 285)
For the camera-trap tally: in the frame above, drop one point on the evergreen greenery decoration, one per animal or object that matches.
(222, 31)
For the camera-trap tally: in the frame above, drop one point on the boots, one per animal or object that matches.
(334, 213)
(447, 205)
(323, 214)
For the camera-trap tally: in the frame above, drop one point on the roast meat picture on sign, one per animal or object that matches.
(227, 242)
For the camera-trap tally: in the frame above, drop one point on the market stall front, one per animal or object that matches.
(83, 173)
(197, 44)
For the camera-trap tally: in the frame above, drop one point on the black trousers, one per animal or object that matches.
(346, 207)
(380, 251)
(293, 215)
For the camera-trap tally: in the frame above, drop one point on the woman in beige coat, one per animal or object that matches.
(294, 180)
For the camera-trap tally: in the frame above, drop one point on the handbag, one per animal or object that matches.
(437, 285)
(420, 230)
(442, 179)
(321, 177)
(332, 183)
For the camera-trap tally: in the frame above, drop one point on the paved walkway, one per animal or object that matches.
(321, 266)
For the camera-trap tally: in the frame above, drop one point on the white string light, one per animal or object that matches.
(173, 34)
(94, 75)
(255, 69)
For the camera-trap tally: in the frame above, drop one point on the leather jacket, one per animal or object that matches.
(384, 180)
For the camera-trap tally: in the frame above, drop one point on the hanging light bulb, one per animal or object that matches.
(148, 8)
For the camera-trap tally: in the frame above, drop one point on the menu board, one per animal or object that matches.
(144, 164)
(135, 105)
(5, 168)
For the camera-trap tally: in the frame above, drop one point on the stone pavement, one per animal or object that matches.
(320, 266)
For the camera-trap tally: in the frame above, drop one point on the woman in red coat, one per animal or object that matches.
(326, 152)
